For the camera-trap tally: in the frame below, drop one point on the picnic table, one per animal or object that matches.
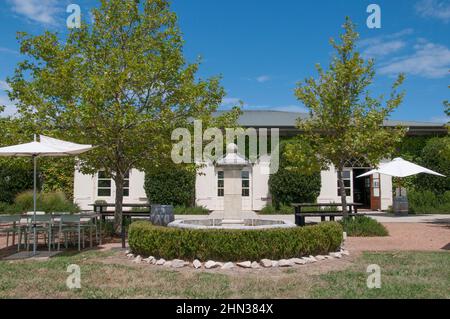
(331, 212)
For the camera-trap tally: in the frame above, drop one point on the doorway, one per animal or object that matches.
(361, 188)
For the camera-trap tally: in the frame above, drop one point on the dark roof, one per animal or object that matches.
(287, 120)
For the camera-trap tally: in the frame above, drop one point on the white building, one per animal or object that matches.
(373, 192)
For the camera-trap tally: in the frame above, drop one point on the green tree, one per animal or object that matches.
(345, 121)
(121, 84)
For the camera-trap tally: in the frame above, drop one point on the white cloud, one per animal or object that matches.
(440, 119)
(428, 60)
(42, 11)
(10, 107)
(7, 50)
(263, 78)
(378, 47)
(384, 48)
(439, 9)
(230, 101)
(4, 85)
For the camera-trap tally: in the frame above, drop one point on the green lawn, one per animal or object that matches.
(108, 275)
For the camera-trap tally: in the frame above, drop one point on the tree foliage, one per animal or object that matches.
(345, 121)
(435, 156)
(121, 84)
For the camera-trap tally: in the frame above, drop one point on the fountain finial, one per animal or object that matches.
(232, 148)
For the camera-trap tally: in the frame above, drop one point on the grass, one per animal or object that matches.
(107, 275)
(363, 226)
(403, 275)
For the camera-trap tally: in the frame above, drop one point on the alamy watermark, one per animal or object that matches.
(73, 281)
(374, 19)
(209, 145)
(374, 279)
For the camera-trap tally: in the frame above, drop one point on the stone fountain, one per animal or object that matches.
(232, 164)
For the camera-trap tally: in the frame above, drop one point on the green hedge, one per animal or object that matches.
(233, 245)
(363, 226)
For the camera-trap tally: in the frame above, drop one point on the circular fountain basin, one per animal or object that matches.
(246, 224)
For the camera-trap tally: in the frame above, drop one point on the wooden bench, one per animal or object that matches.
(332, 213)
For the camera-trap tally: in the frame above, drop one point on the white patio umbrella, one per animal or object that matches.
(46, 147)
(400, 168)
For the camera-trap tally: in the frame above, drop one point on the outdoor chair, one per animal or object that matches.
(11, 224)
(44, 225)
(70, 225)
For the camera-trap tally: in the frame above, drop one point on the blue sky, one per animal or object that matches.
(263, 48)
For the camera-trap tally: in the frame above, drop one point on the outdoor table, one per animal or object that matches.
(101, 209)
(332, 214)
(86, 215)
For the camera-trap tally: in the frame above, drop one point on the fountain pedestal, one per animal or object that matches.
(232, 200)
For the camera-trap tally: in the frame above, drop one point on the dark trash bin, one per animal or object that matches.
(400, 205)
(162, 215)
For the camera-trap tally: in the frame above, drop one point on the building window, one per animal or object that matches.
(245, 175)
(347, 183)
(126, 185)
(103, 185)
(220, 183)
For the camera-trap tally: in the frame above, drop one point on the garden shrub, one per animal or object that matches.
(292, 185)
(287, 186)
(426, 202)
(363, 226)
(172, 185)
(233, 245)
(47, 202)
(195, 210)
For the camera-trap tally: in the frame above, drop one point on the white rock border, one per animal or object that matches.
(264, 264)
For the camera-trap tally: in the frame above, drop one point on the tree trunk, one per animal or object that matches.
(342, 192)
(119, 203)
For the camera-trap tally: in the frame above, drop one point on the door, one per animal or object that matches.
(375, 196)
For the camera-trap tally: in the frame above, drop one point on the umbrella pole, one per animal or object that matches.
(34, 205)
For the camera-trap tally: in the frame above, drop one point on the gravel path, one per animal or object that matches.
(405, 236)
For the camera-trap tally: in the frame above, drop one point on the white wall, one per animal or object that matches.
(85, 188)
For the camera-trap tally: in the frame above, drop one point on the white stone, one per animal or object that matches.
(161, 262)
(211, 264)
(245, 264)
(178, 263)
(298, 261)
(127, 252)
(197, 264)
(336, 255)
(266, 263)
(275, 264)
(312, 258)
(167, 264)
(328, 257)
(285, 263)
(130, 256)
(320, 257)
(345, 252)
(228, 265)
(137, 260)
(255, 265)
